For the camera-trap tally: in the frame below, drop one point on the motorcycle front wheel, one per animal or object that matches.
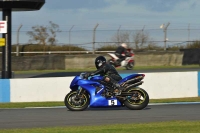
(74, 103)
(139, 99)
(129, 66)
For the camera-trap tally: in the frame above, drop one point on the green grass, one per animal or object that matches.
(165, 67)
(30, 104)
(157, 127)
(189, 99)
(61, 103)
(120, 68)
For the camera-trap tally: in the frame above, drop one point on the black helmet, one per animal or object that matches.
(99, 61)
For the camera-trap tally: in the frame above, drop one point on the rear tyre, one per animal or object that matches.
(76, 104)
(139, 100)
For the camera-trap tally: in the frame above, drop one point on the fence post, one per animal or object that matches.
(70, 37)
(17, 46)
(118, 37)
(165, 33)
(165, 39)
(189, 33)
(94, 37)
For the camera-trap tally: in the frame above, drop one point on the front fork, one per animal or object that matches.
(78, 93)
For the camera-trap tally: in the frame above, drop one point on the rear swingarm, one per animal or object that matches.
(124, 95)
(128, 94)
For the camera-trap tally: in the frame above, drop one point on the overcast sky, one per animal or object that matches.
(110, 14)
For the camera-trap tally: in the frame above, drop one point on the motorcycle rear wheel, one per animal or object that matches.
(139, 100)
(76, 104)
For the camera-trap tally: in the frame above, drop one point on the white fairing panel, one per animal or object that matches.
(124, 63)
(113, 56)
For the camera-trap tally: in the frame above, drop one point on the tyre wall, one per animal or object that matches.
(191, 56)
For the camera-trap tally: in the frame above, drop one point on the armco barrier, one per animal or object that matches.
(158, 85)
(4, 90)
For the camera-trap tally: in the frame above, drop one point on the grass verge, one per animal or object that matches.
(93, 68)
(157, 127)
(61, 103)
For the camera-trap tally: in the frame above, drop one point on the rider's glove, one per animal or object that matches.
(87, 75)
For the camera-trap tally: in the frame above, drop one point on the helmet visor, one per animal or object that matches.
(100, 64)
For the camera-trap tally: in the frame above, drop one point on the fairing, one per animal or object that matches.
(96, 99)
(73, 84)
(96, 78)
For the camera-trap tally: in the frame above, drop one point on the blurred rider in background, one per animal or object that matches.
(121, 52)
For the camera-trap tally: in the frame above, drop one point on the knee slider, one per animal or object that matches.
(107, 79)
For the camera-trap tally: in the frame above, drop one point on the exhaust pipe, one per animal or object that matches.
(136, 84)
(133, 80)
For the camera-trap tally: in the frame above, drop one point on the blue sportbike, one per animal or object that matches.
(94, 92)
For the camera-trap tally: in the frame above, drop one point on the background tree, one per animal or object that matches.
(39, 35)
(121, 37)
(53, 29)
(140, 39)
(153, 46)
(44, 34)
(195, 44)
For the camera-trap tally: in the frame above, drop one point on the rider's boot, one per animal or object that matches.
(118, 89)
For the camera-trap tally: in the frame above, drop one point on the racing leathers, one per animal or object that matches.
(110, 75)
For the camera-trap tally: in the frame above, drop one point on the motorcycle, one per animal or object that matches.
(128, 63)
(95, 92)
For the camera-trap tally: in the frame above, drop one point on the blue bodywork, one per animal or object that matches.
(96, 99)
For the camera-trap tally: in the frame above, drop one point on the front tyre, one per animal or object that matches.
(76, 104)
(130, 66)
(139, 99)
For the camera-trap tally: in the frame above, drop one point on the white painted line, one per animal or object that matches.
(48, 107)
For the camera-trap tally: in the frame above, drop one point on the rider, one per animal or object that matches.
(109, 72)
(121, 52)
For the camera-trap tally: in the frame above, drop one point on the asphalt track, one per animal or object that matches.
(61, 116)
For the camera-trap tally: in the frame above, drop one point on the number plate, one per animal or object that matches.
(112, 102)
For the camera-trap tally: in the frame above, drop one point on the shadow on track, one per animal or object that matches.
(110, 109)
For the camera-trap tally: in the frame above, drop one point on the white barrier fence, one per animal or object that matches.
(171, 85)
(158, 85)
(39, 89)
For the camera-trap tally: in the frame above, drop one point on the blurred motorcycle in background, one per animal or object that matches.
(128, 63)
